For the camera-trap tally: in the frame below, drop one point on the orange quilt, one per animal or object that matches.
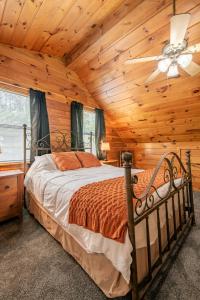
(102, 208)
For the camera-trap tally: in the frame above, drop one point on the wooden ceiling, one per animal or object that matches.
(96, 37)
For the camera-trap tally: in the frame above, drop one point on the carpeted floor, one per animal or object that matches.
(34, 266)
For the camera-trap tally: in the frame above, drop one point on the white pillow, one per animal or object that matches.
(45, 162)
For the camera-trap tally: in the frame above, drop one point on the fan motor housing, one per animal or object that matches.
(171, 50)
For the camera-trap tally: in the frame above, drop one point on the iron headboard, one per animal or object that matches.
(60, 142)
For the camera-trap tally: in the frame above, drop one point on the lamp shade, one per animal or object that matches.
(105, 146)
(173, 71)
(164, 64)
(0, 149)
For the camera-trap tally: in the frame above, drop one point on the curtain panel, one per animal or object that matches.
(100, 131)
(77, 126)
(39, 120)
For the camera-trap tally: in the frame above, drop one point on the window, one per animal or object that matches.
(14, 112)
(88, 127)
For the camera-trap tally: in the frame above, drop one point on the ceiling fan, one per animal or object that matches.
(176, 53)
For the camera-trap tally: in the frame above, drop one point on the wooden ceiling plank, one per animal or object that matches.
(49, 10)
(123, 74)
(94, 13)
(9, 20)
(157, 96)
(96, 22)
(159, 89)
(186, 122)
(55, 42)
(132, 20)
(143, 115)
(146, 106)
(29, 11)
(149, 27)
(165, 115)
(166, 130)
(152, 44)
(52, 27)
(2, 8)
(104, 25)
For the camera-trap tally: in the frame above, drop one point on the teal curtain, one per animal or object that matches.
(100, 131)
(39, 120)
(77, 126)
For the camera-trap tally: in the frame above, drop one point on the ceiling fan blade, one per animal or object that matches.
(153, 76)
(143, 59)
(193, 69)
(178, 28)
(193, 49)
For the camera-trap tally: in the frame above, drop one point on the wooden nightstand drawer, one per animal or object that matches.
(11, 194)
(8, 206)
(8, 186)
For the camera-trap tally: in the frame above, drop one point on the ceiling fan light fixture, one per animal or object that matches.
(164, 64)
(184, 60)
(173, 71)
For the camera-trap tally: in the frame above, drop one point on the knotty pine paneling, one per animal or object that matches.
(23, 69)
(56, 27)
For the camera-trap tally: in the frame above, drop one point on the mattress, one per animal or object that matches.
(53, 190)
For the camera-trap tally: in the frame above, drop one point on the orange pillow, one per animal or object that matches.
(66, 161)
(88, 160)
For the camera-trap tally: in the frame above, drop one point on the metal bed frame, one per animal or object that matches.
(61, 143)
(172, 168)
(144, 205)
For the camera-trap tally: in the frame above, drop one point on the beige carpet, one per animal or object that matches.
(34, 266)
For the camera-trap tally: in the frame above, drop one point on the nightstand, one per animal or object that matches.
(11, 194)
(112, 162)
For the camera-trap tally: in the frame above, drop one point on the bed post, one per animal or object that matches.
(188, 163)
(131, 229)
(24, 141)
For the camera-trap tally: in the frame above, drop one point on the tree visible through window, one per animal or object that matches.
(14, 112)
(88, 127)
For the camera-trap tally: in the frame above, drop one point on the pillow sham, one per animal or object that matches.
(66, 161)
(45, 162)
(88, 160)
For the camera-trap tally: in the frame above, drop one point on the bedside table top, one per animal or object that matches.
(109, 161)
(10, 173)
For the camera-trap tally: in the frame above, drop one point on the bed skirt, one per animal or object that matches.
(97, 266)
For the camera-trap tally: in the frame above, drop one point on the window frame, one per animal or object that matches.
(17, 90)
(91, 110)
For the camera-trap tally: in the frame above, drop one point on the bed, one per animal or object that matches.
(157, 219)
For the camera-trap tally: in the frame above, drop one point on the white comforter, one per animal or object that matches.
(54, 190)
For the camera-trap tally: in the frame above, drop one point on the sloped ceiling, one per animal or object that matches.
(95, 38)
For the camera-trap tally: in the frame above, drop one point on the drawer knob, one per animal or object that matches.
(7, 187)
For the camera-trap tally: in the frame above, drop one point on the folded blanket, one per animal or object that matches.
(102, 206)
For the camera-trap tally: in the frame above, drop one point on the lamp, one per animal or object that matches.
(105, 147)
(173, 71)
(164, 64)
(0, 149)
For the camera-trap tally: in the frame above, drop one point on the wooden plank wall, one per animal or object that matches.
(147, 155)
(23, 69)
